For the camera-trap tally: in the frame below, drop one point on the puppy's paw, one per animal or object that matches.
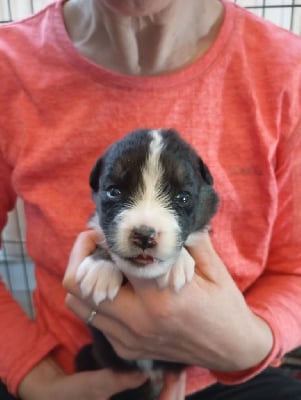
(100, 279)
(179, 274)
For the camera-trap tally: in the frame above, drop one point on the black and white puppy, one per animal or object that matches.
(152, 193)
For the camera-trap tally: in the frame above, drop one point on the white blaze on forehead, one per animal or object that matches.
(156, 143)
(149, 203)
(152, 170)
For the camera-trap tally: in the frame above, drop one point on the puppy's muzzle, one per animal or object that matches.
(144, 237)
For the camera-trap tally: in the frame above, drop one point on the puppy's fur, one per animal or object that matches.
(152, 193)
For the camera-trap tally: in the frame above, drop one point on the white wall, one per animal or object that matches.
(17, 9)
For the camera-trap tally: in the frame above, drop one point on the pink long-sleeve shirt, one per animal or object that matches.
(239, 105)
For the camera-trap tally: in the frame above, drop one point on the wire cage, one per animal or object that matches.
(16, 269)
(286, 13)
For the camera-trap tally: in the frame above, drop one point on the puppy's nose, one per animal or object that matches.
(144, 237)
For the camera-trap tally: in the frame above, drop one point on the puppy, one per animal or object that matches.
(152, 192)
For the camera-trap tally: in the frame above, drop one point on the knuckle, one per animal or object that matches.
(162, 312)
(71, 303)
(126, 353)
(143, 332)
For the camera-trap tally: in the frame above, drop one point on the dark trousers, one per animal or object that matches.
(272, 384)
(4, 395)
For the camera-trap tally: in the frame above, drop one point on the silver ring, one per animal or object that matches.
(90, 318)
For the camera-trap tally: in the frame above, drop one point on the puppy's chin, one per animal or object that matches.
(150, 270)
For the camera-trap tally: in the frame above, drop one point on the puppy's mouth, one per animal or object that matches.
(142, 259)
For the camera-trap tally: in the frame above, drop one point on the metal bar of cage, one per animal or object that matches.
(273, 6)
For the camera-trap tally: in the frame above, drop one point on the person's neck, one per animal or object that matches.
(150, 45)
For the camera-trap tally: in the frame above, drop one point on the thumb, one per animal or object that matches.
(108, 383)
(84, 245)
(116, 382)
(208, 262)
(174, 386)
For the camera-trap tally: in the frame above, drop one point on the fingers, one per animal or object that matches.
(127, 342)
(111, 383)
(112, 327)
(95, 385)
(208, 263)
(84, 245)
(125, 300)
(174, 387)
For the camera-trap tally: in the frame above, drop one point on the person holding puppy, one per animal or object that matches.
(75, 78)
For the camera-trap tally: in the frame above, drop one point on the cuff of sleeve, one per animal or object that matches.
(18, 371)
(236, 377)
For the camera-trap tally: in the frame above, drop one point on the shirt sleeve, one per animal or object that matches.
(23, 343)
(276, 295)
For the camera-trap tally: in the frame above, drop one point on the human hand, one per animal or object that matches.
(48, 382)
(213, 324)
(174, 386)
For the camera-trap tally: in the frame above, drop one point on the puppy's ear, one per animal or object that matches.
(206, 175)
(95, 175)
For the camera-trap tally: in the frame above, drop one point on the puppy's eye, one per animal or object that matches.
(183, 198)
(113, 193)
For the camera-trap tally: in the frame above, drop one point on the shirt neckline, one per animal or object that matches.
(105, 76)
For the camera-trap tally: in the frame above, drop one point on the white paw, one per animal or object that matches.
(180, 273)
(98, 278)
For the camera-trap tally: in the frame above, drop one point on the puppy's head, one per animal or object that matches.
(151, 191)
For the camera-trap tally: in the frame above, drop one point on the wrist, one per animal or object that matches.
(256, 346)
(35, 382)
(250, 366)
